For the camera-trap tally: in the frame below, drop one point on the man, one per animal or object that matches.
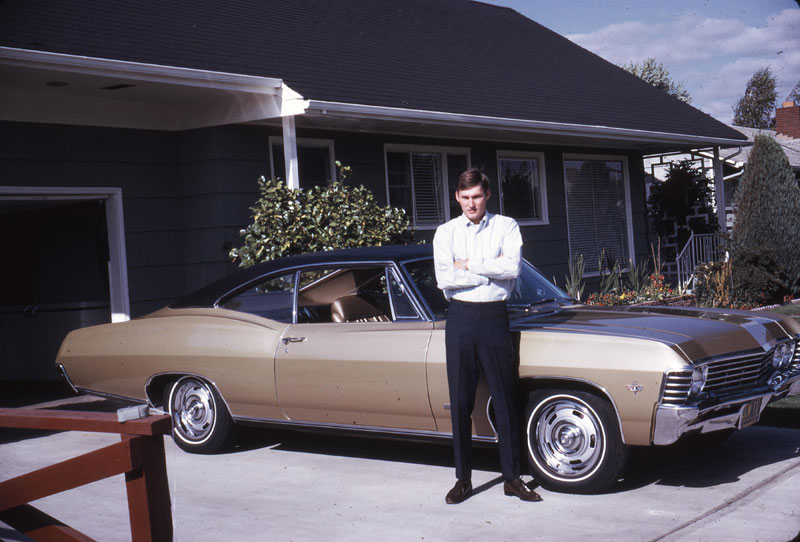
(477, 257)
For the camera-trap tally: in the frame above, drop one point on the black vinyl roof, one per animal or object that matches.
(456, 56)
(211, 294)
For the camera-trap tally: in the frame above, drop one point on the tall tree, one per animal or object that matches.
(657, 75)
(767, 205)
(756, 109)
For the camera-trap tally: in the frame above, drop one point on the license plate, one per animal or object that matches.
(750, 413)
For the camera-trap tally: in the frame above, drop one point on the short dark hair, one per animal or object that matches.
(471, 178)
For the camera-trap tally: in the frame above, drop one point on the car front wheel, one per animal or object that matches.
(573, 441)
(200, 421)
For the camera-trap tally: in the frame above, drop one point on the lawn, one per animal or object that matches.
(790, 309)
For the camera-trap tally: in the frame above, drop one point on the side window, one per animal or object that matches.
(273, 299)
(343, 294)
(403, 309)
(424, 277)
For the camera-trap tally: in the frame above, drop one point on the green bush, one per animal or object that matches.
(713, 284)
(287, 222)
(766, 234)
(748, 280)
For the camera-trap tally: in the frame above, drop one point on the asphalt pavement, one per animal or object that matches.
(287, 486)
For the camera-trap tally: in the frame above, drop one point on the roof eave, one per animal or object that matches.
(158, 97)
(521, 125)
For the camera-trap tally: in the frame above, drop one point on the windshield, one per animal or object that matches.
(530, 288)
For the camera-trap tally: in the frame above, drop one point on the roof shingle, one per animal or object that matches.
(456, 56)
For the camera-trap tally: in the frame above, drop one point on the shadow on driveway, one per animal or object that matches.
(681, 465)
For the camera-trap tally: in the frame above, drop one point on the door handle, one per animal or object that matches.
(287, 340)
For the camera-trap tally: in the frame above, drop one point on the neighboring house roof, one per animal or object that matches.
(453, 56)
(790, 145)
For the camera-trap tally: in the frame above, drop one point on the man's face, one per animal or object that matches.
(473, 202)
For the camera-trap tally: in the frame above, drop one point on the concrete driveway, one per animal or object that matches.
(280, 485)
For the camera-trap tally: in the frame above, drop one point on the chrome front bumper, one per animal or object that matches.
(673, 421)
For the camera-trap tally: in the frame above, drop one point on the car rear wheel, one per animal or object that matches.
(200, 421)
(573, 441)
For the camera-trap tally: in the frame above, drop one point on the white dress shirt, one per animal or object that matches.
(493, 248)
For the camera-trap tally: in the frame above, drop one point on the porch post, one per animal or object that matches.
(290, 152)
(719, 190)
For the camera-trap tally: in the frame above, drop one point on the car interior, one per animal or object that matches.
(344, 295)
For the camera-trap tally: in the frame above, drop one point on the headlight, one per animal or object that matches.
(699, 376)
(782, 356)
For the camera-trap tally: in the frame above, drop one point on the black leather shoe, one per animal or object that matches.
(460, 492)
(517, 488)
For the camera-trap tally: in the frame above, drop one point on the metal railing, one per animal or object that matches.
(139, 455)
(700, 248)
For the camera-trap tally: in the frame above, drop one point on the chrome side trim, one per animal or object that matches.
(366, 429)
(593, 385)
(87, 391)
(62, 372)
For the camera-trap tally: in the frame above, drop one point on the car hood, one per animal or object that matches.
(698, 333)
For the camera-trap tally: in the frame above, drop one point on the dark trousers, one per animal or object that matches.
(477, 336)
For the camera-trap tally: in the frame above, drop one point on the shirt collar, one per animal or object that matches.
(482, 224)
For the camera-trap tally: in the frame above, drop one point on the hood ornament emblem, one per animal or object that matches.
(635, 387)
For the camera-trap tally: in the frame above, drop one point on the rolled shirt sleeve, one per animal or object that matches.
(506, 266)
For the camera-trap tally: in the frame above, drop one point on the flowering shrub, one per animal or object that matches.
(653, 290)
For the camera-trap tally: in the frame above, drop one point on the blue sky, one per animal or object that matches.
(712, 46)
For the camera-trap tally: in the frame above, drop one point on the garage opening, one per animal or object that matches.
(56, 276)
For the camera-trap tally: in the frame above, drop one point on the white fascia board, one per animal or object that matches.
(292, 103)
(139, 71)
(533, 126)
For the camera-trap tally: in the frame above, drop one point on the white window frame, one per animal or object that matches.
(304, 142)
(539, 156)
(115, 223)
(430, 149)
(628, 211)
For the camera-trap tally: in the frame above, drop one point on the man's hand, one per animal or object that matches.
(461, 264)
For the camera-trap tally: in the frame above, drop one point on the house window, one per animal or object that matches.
(422, 180)
(315, 161)
(523, 193)
(598, 209)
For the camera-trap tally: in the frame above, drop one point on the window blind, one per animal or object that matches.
(597, 211)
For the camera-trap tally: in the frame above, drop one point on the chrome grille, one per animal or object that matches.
(733, 373)
(676, 387)
(794, 368)
(727, 375)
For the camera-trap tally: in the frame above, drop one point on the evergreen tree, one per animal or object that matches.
(657, 75)
(756, 109)
(767, 227)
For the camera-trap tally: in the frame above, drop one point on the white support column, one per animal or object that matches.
(118, 260)
(719, 190)
(290, 152)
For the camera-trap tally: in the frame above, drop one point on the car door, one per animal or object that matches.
(421, 274)
(356, 354)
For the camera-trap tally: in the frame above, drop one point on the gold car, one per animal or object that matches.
(353, 340)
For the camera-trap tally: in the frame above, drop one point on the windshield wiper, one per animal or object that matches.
(528, 306)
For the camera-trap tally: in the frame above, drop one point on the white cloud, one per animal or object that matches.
(714, 58)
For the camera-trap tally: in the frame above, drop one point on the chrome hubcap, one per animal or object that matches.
(193, 409)
(568, 437)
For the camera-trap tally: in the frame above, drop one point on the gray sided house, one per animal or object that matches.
(132, 135)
